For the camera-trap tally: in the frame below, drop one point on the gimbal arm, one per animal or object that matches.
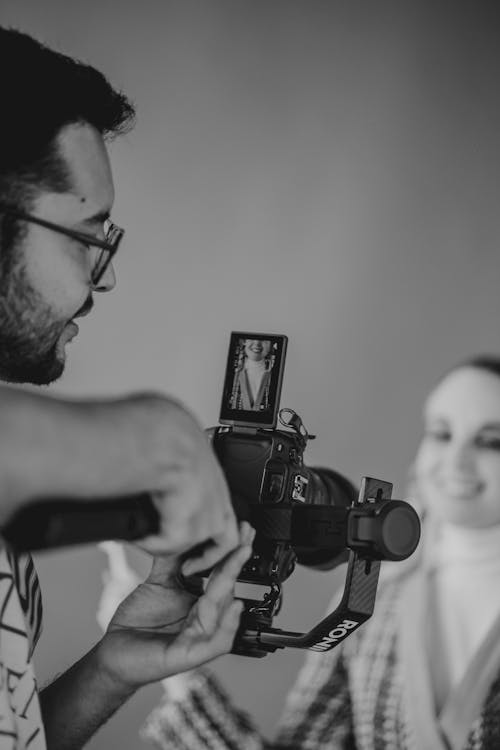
(373, 529)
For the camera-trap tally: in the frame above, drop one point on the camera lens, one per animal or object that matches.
(327, 487)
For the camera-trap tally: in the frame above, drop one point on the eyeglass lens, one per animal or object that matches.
(104, 257)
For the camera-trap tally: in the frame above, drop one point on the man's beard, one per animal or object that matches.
(29, 332)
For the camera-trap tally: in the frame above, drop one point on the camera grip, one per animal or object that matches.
(48, 524)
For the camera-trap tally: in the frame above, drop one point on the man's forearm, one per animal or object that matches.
(56, 448)
(78, 702)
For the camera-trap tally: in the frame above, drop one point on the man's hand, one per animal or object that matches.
(145, 443)
(161, 629)
(189, 491)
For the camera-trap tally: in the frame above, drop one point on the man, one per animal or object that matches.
(57, 245)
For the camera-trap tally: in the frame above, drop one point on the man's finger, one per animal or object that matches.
(224, 537)
(223, 577)
(163, 568)
(215, 553)
(209, 611)
(219, 640)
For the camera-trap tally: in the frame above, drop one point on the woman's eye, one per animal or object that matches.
(490, 443)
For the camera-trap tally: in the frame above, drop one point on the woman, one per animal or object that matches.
(424, 672)
(253, 377)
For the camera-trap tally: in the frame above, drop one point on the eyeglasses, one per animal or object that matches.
(106, 247)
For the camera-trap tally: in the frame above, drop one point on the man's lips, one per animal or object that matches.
(68, 333)
(71, 328)
(85, 309)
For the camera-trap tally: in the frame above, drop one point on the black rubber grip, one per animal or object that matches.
(59, 523)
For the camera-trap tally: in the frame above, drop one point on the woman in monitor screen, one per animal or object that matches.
(252, 378)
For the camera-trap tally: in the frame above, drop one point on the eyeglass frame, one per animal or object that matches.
(83, 237)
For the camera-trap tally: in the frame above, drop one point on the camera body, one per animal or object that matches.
(269, 482)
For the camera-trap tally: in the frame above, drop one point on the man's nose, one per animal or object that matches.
(107, 282)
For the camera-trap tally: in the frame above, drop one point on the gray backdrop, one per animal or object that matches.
(328, 170)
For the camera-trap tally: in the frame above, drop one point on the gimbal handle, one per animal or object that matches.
(355, 608)
(55, 523)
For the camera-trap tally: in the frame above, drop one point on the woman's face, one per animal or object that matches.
(458, 461)
(257, 349)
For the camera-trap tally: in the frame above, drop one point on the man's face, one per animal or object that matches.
(49, 281)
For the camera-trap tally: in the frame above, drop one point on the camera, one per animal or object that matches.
(308, 515)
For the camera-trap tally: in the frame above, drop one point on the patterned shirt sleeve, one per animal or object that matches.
(30, 596)
(20, 625)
